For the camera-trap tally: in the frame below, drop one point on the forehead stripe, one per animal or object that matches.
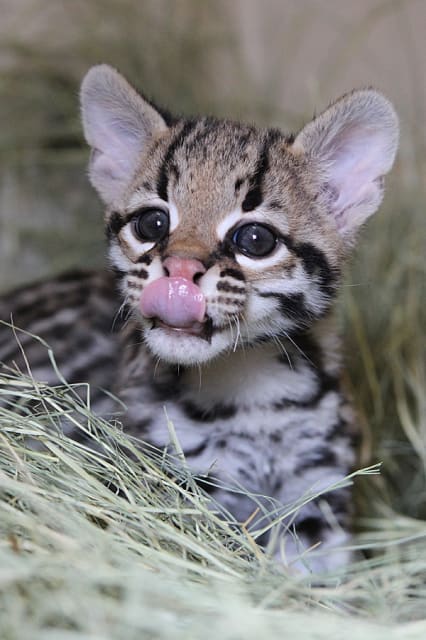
(163, 175)
(254, 195)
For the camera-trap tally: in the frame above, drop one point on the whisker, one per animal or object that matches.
(282, 348)
(120, 311)
(156, 365)
(287, 335)
(238, 333)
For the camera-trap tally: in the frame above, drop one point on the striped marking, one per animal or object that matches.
(164, 172)
(254, 196)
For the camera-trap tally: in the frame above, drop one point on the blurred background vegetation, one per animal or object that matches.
(274, 62)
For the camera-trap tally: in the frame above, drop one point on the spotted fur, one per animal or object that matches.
(254, 389)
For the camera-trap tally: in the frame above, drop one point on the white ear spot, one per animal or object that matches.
(118, 124)
(353, 143)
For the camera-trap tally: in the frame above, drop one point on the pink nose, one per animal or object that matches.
(187, 268)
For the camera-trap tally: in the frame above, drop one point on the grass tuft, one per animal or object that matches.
(103, 540)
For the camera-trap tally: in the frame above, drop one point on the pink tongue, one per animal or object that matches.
(177, 302)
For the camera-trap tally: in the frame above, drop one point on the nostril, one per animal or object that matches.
(188, 268)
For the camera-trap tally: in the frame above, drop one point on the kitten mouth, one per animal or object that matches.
(203, 330)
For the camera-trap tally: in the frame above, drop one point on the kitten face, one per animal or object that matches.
(224, 234)
(237, 201)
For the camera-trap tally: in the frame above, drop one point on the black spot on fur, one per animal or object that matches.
(229, 288)
(114, 225)
(321, 457)
(315, 264)
(292, 306)
(232, 273)
(275, 205)
(139, 273)
(199, 414)
(238, 183)
(326, 384)
(207, 483)
(145, 259)
(310, 527)
(196, 451)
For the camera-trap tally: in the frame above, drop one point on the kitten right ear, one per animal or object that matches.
(353, 143)
(118, 124)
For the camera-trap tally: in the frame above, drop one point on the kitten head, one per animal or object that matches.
(225, 234)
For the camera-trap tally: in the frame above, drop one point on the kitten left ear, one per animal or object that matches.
(353, 143)
(119, 125)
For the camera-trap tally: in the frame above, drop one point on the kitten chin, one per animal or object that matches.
(183, 348)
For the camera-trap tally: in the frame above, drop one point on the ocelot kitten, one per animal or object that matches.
(227, 242)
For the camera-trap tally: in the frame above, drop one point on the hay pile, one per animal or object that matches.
(120, 544)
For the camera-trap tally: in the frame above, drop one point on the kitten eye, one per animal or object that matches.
(151, 224)
(254, 240)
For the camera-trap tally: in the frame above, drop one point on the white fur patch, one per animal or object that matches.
(185, 349)
(155, 270)
(139, 200)
(208, 282)
(118, 259)
(137, 247)
(174, 216)
(253, 377)
(228, 222)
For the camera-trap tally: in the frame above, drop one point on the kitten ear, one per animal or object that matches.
(353, 143)
(118, 124)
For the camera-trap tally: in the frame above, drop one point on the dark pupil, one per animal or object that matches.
(152, 224)
(254, 240)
